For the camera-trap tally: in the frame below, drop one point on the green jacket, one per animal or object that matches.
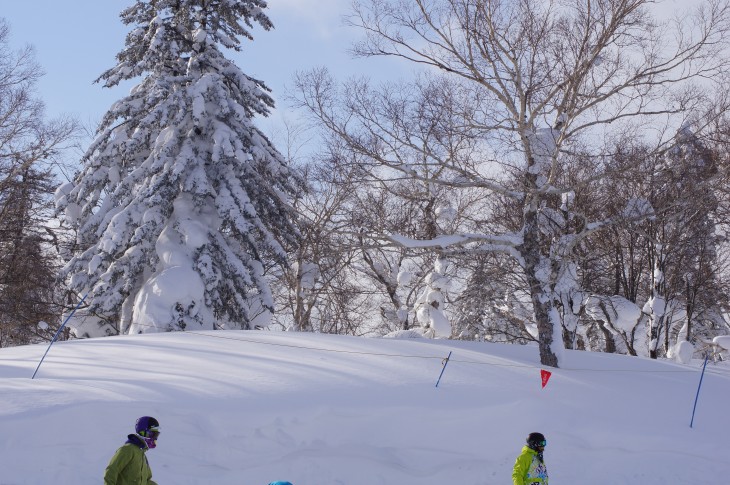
(529, 469)
(129, 466)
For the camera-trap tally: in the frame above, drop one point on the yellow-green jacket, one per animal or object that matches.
(129, 465)
(529, 469)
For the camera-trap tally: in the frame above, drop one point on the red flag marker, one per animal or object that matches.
(545, 376)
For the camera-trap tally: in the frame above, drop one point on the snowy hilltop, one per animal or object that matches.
(252, 407)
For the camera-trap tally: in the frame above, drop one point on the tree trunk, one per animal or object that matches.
(542, 300)
(690, 312)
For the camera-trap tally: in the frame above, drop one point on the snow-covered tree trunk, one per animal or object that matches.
(539, 272)
(306, 277)
(430, 303)
(570, 303)
(385, 272)
(655, 306)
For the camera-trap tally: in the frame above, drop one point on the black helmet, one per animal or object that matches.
(536, 439)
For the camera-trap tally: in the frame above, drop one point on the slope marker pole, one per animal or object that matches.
(698, 393)
(444, 363)
(57, 333)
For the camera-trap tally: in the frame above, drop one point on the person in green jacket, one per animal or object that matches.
(129, 465)
(530, 467)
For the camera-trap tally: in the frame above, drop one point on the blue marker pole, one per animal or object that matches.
(698, 392)
(444, 363)
(57, 333)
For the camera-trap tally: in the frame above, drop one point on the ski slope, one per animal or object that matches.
(251, 407)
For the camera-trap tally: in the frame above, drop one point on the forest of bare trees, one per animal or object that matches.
(29, 147)
(534, 105)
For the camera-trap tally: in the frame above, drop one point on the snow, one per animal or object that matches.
(682, 352)
(655, 305)
(310, 274)
(442, 241)
(404, 278)
(71, 211)
(199, 36)
(567, 199)
(253, 407)
(155, 306)
(430, 302)
(638, 209)
(623, 314)
(722, 341)
(446, 213)
(542, 142)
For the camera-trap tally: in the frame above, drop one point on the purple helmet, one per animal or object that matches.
(148, 428)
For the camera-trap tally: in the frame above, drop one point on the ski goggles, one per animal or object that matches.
(542, 443)
(152, 433)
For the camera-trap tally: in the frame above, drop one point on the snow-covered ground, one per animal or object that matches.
(247, 408)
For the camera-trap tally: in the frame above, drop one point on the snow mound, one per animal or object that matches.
(404, 334)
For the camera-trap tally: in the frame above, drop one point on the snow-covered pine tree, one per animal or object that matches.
(181, 199)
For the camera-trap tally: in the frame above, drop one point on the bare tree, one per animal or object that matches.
(28, 292)
(315, 279)
(26, 137)
(30, 146)
(385, 201)
(529, 81)
(668, 264)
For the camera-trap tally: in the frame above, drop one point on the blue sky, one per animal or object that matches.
(76, 41)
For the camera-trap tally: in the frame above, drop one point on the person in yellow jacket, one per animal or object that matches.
(129, 465)
(530, 467)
